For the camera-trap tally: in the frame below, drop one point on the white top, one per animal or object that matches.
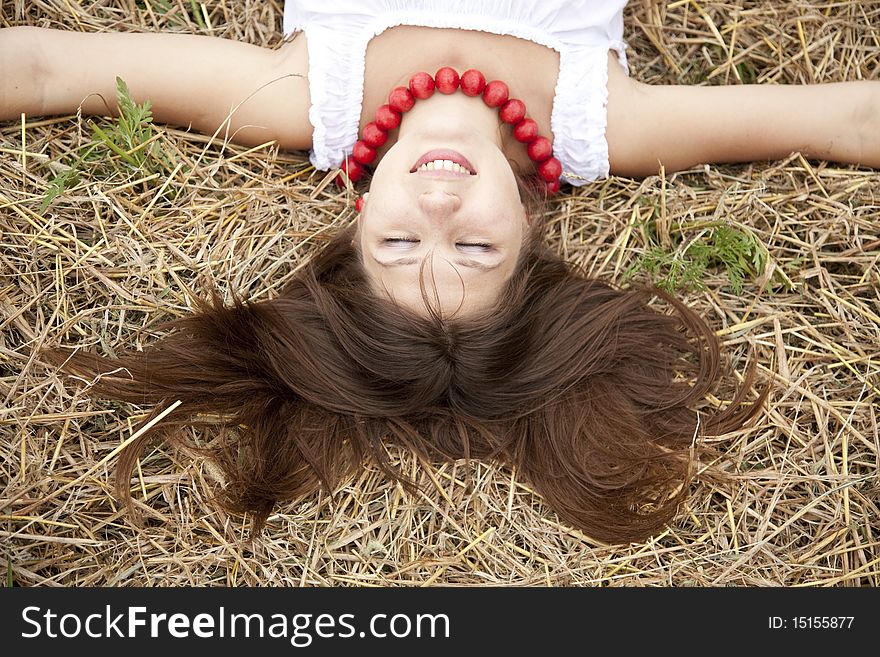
(581, 31)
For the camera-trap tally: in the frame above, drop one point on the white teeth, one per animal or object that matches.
(443, 165)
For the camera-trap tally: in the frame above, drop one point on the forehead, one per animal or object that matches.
(438, 284)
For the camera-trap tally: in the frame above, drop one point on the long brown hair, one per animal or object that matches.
(590, 392)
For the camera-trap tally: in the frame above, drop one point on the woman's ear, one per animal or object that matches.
(360, 202)
(360, 206)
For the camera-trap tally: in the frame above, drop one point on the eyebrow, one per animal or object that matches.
(464, 262)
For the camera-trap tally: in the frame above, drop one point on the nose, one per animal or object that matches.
(439, 204)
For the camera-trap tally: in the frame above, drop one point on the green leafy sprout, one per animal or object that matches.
(685, 264)
(124, 146)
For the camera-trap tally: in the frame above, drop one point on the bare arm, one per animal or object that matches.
(191, 80)
(682, 126)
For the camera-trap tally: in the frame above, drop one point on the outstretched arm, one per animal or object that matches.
(682, 126)
(251, 94)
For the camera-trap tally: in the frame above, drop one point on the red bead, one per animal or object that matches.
(540, 149)
(447, 80)
(513, 111)
(359, 203)
(472, 82)
(363, 153)
(401, 100)
(550, 170)
(387, 118)
(495, 94)
(421, 85)
(525, 131)
(373, 135)
(552, 187)
(352, 169)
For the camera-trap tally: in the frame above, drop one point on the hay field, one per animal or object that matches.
(792, 500)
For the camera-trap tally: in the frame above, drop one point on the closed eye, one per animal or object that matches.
(480, 247)
(399, 241)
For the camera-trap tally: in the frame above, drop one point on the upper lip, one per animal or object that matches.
(444, 154)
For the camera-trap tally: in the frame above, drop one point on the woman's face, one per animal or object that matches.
(443, 214)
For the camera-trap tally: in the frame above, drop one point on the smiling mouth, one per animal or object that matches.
(444, 162)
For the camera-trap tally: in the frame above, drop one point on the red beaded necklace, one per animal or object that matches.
(447, 80)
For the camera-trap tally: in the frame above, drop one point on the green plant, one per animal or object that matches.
(120, 146)
(130, 137)
(63, 181)
(684, 265)
(168, 9)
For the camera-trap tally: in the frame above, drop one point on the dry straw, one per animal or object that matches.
(793, 500)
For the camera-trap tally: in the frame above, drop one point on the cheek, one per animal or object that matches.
(509, 221)
(371, 221)
(505, 200)
(381, 209)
